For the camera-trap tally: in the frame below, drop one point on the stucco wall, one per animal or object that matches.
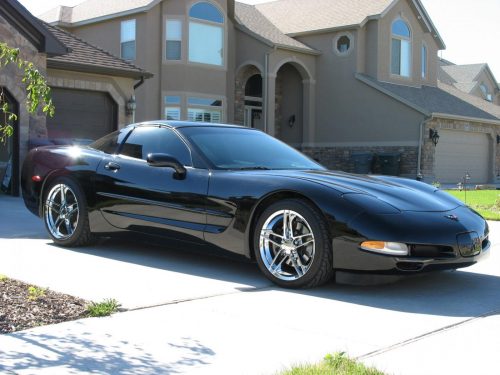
(403, 10)
(169, 76)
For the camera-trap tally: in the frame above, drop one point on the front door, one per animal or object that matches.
(136, 196)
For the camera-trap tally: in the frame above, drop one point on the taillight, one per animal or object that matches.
(36, 178)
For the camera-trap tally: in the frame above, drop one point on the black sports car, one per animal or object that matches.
(240, 190)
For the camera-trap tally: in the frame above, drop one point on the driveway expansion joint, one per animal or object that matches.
(428, 334)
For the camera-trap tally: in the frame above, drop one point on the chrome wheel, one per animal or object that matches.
(287, 245)
(61, 211)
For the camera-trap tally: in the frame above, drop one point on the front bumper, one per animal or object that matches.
(436, 242)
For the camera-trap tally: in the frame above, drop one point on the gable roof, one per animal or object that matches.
(252, 21)
(31, 28)
(441, 100)
(464, 77)
(88, 58)
(297, 17)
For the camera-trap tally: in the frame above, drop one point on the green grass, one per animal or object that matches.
(486, 202)
(35, 292)
(336, 364)
(104, 308)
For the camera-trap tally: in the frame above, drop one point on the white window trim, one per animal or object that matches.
(184, 106)
(184, 39)
(424, 75)
(351, 45)
(399, 37)
(129, 40)
(190, 4)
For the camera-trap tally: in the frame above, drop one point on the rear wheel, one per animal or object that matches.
(65, 213)
(291, 245)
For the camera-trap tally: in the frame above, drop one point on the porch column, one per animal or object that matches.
(309, 105)
(270, 103)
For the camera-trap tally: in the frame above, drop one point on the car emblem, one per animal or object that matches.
(452, 217)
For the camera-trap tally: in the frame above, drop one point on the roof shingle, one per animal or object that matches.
(253, 20)
(444, 99)
(85, 56)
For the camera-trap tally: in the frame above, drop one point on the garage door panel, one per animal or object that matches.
(81, 114)
(460, 152)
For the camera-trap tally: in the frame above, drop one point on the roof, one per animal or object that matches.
(441, 100)
(464, 77)
(88, 58)
(295, 17)
(31, 28)
(95, 10)
(254, 22)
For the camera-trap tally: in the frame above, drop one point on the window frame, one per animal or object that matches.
(401, 39)
(207, 108)
(122, 41)
(424, 61)
(182, 40)
(222, 26)
(351, 44)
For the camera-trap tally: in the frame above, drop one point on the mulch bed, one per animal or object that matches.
(20, 309)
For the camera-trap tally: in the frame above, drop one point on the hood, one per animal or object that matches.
(401, 193)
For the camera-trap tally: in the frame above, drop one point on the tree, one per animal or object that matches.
(35, 85)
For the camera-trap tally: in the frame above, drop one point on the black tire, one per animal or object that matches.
(315, 260)
(73, 229)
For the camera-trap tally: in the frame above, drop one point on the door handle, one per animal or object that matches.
(111, 166)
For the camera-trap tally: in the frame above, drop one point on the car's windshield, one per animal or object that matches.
(238, 148)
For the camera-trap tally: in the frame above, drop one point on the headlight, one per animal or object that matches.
(387, 248)
(370, 203)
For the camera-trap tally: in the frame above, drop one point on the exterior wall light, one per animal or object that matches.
(131, 106)
(434, 136)
(291, 121)
(498, 139)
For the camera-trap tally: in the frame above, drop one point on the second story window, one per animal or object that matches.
(172, 107)
(486, 92)
(128, 40)
(206, 34)
(424, 61)
(401, 49)
(174, 40)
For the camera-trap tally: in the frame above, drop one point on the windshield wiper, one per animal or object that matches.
(256, 168)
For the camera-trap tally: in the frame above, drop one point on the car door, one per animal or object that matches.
(136, 196)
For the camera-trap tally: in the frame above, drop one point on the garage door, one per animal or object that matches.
(460, 152)
(81, 114)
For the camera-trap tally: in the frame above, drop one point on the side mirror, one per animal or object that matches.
(165, 160)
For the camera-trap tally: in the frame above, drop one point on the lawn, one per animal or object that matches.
(336, 364)
(486, 202)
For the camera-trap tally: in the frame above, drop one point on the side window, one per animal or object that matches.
(147, 140)
(109, 143)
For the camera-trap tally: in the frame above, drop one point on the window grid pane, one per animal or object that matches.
(173, 50)
(207, 12)
(128, 50)
(204, 115)
(173, 113)
(206, 43)
(424, 62)
(127, 31)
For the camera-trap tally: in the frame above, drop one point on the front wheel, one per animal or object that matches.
(65, 213)
(292, 246)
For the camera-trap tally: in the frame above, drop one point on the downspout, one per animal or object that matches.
(138, 84)
(421, 143)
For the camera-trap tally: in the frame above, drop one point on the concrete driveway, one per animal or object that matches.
(194, 313)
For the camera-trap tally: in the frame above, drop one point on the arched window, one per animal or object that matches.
(401, 49)
(486, 92)
(206, 34)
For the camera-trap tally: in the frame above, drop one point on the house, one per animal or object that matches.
(332, 78)
(90, 88)
(474, 79)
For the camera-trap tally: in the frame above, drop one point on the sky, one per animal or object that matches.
(469, 28)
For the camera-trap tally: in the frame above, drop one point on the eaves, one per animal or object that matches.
(92, 69)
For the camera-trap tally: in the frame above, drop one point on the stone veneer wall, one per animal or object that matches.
(30, 126)
(339, 158)
(239, 97)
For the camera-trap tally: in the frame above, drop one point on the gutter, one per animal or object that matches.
(465, 118)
